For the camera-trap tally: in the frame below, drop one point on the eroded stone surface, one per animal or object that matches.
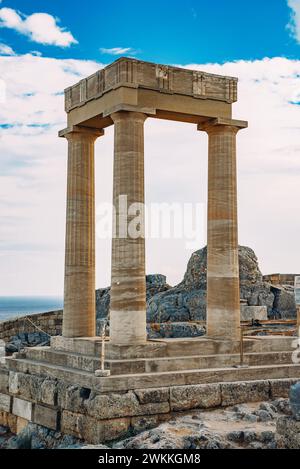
(244, 392)
(217, 429)
(198, 396)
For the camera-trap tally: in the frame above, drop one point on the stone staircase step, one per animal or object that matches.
(159, 365)
(172, 347)
(153, 365)
(214, 375)
(66, 359)
(69, 375)
(151, 380)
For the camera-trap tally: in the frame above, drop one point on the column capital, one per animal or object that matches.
(220, 123)
(124, 115)
(80, 130)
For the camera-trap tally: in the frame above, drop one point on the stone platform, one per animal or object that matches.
(56, 386)
(161, 362)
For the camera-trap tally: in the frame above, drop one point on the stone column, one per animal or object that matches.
(79, 316)
(223, 290)
(128, 284)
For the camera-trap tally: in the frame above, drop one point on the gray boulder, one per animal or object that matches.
(174, 312)
(187, 301)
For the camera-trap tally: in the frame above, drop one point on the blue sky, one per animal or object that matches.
(46, 46)
(174, 31)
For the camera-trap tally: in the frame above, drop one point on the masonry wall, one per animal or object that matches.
(50, 322)
(95, 417)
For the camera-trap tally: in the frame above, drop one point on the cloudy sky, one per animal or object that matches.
(46, 46)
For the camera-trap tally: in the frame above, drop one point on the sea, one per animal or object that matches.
(14, 306)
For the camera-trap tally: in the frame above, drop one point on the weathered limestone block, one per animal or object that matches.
(281, 387)
(4, 377)
(49, 392)
(46, 417)
(195, 397)
(93, 430)
(254, 312)
(5, 402)
(27, 386)
(146, 396)
(15, 383)
(72, 397)
(8, 420)
(22, 408)
(21, 424)
(237, 393)
(288, 433)
(109, 406)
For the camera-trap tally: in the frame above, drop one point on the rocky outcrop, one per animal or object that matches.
(24, 339)
(187, 301)
(174, 312)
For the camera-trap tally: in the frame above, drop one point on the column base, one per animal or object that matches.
(128, 327)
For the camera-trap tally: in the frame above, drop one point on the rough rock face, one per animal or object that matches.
(36, 437)
(187, 301)
(24, 339)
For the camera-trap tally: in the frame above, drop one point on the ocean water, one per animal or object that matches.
(14, 306)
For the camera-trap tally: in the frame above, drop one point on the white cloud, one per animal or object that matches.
(117, 50)
(39, 27)
(6, 50)
(294, 24)
(33, 170)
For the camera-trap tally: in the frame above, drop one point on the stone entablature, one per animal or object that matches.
(133, 73)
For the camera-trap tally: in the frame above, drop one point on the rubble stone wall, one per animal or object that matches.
(50, 323)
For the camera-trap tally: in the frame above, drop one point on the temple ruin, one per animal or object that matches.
(149, 380)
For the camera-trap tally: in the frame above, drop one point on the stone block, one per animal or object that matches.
(254, 312)
(14, 383)
(5, 403)
(110, 406)
(27, 386)
(92, 430)
(146, 396)
(8, 420)
(46, 417)
(281, 387)
(21, 424)
(72, 397)
(195, 397)
(4, 378)
(49, 392)
(22, 408)
(248, 391)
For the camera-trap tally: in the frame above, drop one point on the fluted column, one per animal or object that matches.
(79, 316)
(128, 285)
(223, 290)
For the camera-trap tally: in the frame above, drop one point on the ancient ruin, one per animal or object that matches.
(57, 386)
